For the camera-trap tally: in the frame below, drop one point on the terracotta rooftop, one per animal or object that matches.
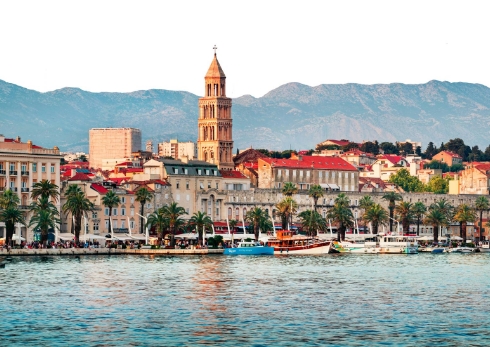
(392, 158)
(79, 176)
(232, 174)
(215, 69)
(313, 162)
(99, 188)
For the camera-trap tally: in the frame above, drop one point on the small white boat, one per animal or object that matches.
(484, 246)
(398, 244)
(463, 250)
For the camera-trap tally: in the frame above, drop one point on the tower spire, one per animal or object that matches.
(215, 48)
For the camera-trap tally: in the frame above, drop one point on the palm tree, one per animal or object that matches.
(464, 214)
(173, 212)
(392, 197)
(418, 210)
(232, 223)
(436, 218)
(405, 213)
(481, 204)
(9, 199)
(200, 220)
(110, 200)
(11, 215)
(315, 192)
(143, 195)
(445, 207)
(256, 216)
(289, 189)
(159, 221)
(285, 209)
(45, 189)
(312, 221)
(376, 215)
(365, 202)
(77, 204)
(44, 219)
(342, 215)
(72, 189)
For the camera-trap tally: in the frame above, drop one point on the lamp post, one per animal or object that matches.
(397, 225)
(146, 224)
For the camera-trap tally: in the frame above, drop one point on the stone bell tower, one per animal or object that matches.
(215, 141)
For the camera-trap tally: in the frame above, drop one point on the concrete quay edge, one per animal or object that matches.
(107, 251)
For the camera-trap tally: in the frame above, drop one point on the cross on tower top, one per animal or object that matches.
(215, 48)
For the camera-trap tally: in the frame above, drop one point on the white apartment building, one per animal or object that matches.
(177, 150)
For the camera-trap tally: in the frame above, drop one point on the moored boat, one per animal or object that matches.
(249, 248)
(463, 250)
(398, 244)
(484, 246)
(286, 243)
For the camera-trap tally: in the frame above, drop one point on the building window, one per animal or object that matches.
(217, 185)
(96, 227)
(52, 168)
(187, 185)
(201, 185)
(148, 205)
(237, 213)
(123, 211)
(308, 174)
(131, 224)
(177, 197)
(320, 173)
(106, 211)
(198, 171)
(114, 224)
(107, 224)
(132, 212)
(94, 215)
(123, 200)
(43, 168)
(177, 185)
(114, 211)
(209, 184)
(34, 167)
(207, 172)
(132, 199)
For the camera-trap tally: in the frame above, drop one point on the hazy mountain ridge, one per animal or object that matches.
(293, 114)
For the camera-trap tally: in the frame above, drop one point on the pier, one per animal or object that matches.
(106, 251)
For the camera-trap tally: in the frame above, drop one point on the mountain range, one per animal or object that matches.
(293, 115)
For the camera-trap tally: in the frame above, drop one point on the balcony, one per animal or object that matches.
(24, 207)
(24, 173)
(14, 189)
(121, 230)
(2, 172)
(24, 190)
(13, 172)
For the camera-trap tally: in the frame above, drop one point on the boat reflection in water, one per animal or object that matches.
(285, 242)
(249, 248)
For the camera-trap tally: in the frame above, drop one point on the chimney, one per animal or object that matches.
(184, 159)
(18, 139)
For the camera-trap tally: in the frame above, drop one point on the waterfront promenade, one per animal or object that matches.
(106, 251)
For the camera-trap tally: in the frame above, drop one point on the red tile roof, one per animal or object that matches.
(119, 180)
(80, 177)
(452, 154)
(482, 167)
(99, 188)
(232, 174)
(312, 162)
(339, 142)
(394, 159)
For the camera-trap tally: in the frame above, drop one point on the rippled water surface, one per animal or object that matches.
(346, 300)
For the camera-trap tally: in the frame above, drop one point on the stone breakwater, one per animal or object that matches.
(106, 251)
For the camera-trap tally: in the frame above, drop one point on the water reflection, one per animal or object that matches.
(262, 301)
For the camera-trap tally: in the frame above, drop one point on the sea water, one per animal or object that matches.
(336, 300)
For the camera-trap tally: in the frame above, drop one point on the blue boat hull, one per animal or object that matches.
(249, 251)
(438, 250)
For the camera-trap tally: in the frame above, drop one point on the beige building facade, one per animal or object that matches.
(112, 143)
(21, 165)
(177, 150)
(215, 139)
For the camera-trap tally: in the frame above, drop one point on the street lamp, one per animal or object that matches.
(397, 225)
(146, 224)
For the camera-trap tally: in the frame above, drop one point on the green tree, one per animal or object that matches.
(418, 211)
(404, 211)
(289, 189)
(77, 205)
(43, 220)
(200, 220)
(389, 148)
(407, 182)
(370, 147)
(392, 197)
(159, 221)
(342, 215)
(435, 218)
(45, 189)
(286, 209)
(11, 215)
(438, 185)
(9, 199)
(430, 151)
(173, 213)
(436, 164)
(232, 223)
(110, 200)
(315, 192)
(464, 214)
(312, 221)
(143, 195)
(481, 204)
(256, 216)
(376, 215)
(364, 203)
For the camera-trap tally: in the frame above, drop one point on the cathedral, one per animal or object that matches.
(215, 140)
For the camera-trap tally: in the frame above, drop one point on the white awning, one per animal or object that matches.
(324, 185)
(192, 236)
(334, 186)
(141, 237)
(66, 236)
(84, 237)
(123, 237)
(17, 238)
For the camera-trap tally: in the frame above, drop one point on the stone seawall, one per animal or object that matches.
(107, 251)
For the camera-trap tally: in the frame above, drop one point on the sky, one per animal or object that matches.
(123, 46)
